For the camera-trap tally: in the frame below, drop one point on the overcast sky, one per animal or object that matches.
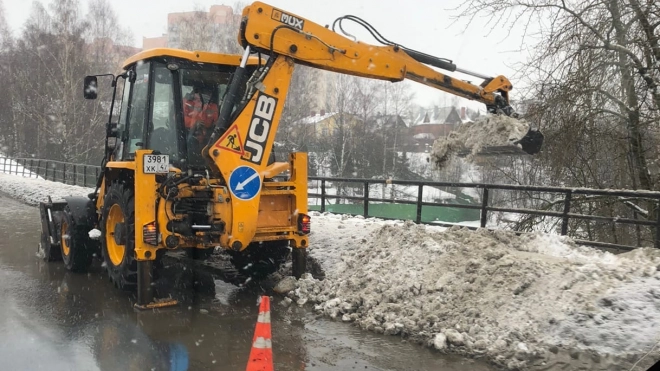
(424, 25)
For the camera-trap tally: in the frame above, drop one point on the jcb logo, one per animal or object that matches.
(289, 19)
(259, 128)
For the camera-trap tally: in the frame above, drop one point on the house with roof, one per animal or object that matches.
(324, 124)
(388, 122)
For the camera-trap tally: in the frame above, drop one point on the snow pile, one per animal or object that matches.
(486, 131)
(32, 191)
(513, 299)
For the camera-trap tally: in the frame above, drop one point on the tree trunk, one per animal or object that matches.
(628, 87)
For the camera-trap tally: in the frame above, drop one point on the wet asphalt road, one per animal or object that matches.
(51, 319)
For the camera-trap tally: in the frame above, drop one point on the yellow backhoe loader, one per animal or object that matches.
(188, 163)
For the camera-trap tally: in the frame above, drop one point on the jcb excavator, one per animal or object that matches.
(168, 185)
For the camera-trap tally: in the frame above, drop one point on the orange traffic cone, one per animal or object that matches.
(261, 355)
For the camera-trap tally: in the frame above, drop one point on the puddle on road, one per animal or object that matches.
(80, 321)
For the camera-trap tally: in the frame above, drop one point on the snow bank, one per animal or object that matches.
(516, 300)
(486, 131)
(32, 191)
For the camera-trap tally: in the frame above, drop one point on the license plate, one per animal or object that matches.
(156, 164)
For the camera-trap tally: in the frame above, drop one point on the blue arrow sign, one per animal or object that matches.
(244, 183)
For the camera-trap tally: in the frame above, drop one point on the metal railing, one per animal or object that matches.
(58, 171)
(627, 226)
(566, 206)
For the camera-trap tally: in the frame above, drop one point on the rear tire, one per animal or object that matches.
(118, 236)
(76, 247)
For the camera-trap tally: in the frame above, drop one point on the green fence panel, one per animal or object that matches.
(405, 212)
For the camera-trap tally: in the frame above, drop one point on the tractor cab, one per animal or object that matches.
(170, 104)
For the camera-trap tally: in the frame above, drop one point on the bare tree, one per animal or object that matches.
(105, 37)
(294, 133)
(49, 118)
(395, 103)
(6, 95)
(594, 79)
(342, 90)
(593, 88)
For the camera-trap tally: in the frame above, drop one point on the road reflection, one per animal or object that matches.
(56, 320)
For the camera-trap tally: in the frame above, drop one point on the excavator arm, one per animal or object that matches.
(276, 32)
(242, 140)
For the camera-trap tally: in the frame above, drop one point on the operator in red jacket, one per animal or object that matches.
(199, 115)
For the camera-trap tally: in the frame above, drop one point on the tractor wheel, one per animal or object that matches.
(299, 262)
(260, 259)
(75, 245)
(51, 253)
(118, 236)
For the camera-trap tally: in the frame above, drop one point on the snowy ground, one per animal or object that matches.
(521, 301)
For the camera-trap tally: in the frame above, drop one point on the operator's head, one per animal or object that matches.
(205, 92)
(202, 92)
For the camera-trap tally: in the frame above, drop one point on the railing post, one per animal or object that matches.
(322, 195)
(31, 167)
(638, 230)
(84, 175)
(365, 210)
(484, 210)
(24, 165)
(420, 196)
(657, 226)
(75, 175)
(567, 209)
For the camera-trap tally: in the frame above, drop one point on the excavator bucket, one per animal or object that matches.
(530, 144)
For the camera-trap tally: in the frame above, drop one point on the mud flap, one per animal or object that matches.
(82, 210)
